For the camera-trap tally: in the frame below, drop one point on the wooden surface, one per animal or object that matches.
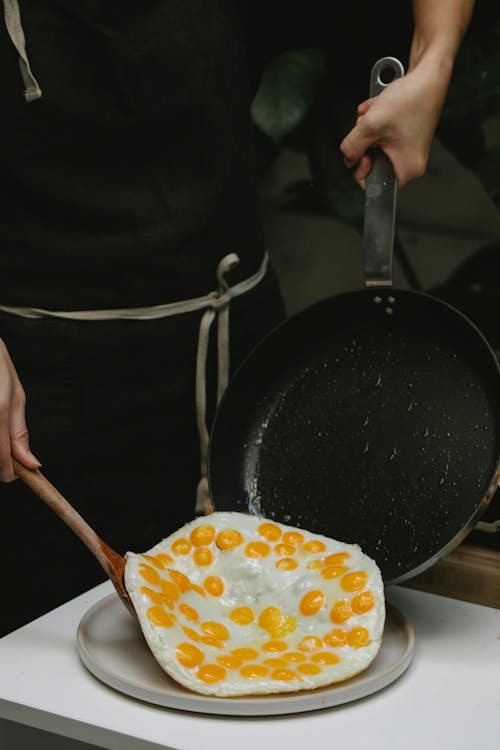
(469, 573)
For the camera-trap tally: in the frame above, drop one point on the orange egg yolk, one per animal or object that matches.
(338, 558)
(269, 617)
(293, 537)
(333, 571)
(283, 674)
(294, 656)
(228, 661)
(170, 590)
(245, 654)
(149, 574)
(325, 658)
(276, 624)
(156, 597)
(203, 556)
(214, 585)
(314, 565)
(210, 640)
(274, 646)
(287, 563)
(242, 616)
(180, 580)
(354, 581)
(275, 662)
(269, 531)
(310, 643)
(363, 602)
(335, 638)
(164, 559)
(157, 616)
(257, 549)
(211, 673)
(216, 630)
(191, 633)
(254, 671)
(285, 549)
(202, 536)
(314, 546)
(188, 612)
(311, 602)
(309, 669)
(188, 655)
(228, 539)
(358, 637)
(198, 589)
(181, 546)
(341, 611)
(154, 561)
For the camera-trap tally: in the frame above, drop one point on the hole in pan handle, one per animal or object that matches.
(380, 193)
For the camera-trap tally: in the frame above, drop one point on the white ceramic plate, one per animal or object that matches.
(112, 647)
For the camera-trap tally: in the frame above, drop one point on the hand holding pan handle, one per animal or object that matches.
(380, 195)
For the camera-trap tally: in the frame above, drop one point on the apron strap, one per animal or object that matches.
(219, 307)
(14, 27)
(215, 304)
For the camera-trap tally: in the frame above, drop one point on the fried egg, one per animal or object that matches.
(233, 604)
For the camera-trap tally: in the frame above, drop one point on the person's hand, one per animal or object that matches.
(13, 431)
(401, 121)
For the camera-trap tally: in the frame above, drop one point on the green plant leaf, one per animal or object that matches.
(287, 90)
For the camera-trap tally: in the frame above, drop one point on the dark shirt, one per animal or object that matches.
(133, 175)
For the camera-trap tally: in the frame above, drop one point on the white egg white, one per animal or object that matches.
(256, 583)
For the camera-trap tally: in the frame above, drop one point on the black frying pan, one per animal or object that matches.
(372, 417)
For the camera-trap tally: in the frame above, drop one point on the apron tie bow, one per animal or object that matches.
(214, 304)
(220, 307)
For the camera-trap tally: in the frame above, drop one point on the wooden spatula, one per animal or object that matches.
(112, 563)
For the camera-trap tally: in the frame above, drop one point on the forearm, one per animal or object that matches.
(439, 28)
(403, 118)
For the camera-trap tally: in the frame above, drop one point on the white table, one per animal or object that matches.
(448, 698)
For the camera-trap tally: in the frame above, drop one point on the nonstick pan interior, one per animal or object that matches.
(370, 419)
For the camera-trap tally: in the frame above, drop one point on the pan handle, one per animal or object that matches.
(380, 194)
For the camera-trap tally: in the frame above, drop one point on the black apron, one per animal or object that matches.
(125, 184)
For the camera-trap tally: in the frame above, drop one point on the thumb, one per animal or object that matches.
(365, 106)
(356, 143)
(19, 438)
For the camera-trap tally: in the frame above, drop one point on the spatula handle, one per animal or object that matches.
(41, 486)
